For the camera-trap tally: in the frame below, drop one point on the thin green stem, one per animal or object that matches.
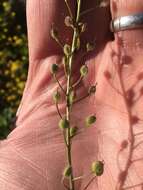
(82, 98)
(69, 9)
(77, 82)
(86, 12)
(68, 106)
(58, 111)
(59, 84)
(59, 43)
(81, 177)
(92, 179)
(66, 187)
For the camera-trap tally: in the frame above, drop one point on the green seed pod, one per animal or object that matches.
(92, 89)
(54, 68)
(90, 120)
(84, 70)
(90, 47)
(73, 131)
(67, 171)
(63, 123)
(56, 97)
(68, 21)
(54, 33)
(67, 49)
(97, 168)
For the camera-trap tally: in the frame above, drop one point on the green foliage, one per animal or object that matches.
(13, 61)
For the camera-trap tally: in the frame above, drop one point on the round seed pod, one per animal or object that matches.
(97, 168)
(67, 49)
(63, 123)
(92, 89)
(84, 70)
(90, 120)
(54, 68)
(67, 171)
(56, 97)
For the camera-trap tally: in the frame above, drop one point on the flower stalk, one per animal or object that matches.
(69, 52)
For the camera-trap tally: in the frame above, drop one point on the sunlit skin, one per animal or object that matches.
(33, 156)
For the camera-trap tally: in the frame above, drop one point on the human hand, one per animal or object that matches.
(37, 146)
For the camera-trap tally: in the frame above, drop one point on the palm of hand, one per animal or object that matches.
(37, 143)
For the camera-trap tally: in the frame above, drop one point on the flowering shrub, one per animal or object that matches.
(13, 61)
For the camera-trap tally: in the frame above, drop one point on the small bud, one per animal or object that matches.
(84, 70)
(54, 68)
(67, 49)
(67, 171)
(56, 97)
(68, 21)
(97, 168)
(73, 131)
(54, 33)
(82, 27)
(64, 123)
(92, 89)
(90, 47)
(90, 120)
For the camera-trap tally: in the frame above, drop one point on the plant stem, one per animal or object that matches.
(68, 106)
(59, 84)
(92, 179)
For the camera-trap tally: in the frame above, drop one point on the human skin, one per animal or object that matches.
(33, 155)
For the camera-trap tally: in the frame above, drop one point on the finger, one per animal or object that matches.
(123, 8)
(41, 14)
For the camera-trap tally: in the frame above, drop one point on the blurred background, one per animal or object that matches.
(13, 61)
